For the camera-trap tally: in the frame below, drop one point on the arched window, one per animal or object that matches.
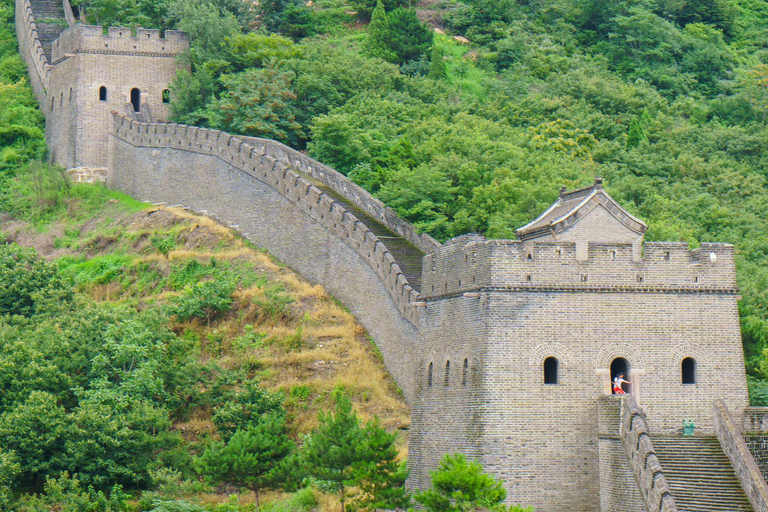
(464, 372)
(102, 93)
(619, 365)
(688, 370)
(551, 365)
(166, 96)
(429, 375)
(447, 372)
(136, 100)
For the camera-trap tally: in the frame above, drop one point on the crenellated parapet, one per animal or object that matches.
(635, 436)
(119, 41)
(290, 183)
(470, 263)
(32, 50)
(347, 188)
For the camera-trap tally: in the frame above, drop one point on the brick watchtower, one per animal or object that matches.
(93, 73)
(520, 340)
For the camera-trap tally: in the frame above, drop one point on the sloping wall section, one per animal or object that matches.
(278, 208)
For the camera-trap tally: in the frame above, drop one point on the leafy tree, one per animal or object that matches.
(27, 282)
(248, 407)
(461, 486)
(260, 50)
(190, 93)
(37, 431)
(208, 26)
(205, 300)
(67, 494)
(258, 103)
(331, 450)
(9, 471)
(254, 458)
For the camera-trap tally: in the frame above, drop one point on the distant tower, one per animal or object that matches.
(520, 339)
(95, 73)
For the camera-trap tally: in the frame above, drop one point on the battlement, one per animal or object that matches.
(32, 50)
(471, 263)
(119, 40)
(296, 188)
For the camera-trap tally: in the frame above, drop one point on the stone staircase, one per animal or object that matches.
(699, 474)
(407, 255)
(50, 21)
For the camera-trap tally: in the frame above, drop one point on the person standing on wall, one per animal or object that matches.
(617, 384)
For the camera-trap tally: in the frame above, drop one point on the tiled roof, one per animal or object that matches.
(566, 211)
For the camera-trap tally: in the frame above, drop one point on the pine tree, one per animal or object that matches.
(460, 486)
(437, 67)
(379, 475)
(330, 452)
(254, 459)
(378, 32)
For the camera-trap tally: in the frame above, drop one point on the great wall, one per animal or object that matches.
(505, 349)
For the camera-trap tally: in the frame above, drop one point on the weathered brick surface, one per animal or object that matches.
(278, 209)
(512, 304)
(735, 447)
(84, 60)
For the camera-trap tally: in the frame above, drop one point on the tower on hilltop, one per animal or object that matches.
(94, 73)
(520, 340)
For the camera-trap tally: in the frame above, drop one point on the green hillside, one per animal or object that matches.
(463, 116)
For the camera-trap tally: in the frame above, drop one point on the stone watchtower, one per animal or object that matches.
(92, 73)
(520, 340)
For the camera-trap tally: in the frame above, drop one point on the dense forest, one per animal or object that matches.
(463, 116)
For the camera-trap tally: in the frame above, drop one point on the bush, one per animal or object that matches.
(27, 282)
(205, 300)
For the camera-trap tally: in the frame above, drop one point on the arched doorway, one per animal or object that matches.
(136, 100)
(620, 365)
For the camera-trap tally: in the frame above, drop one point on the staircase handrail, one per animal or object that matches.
(734, 446)
(634, 432)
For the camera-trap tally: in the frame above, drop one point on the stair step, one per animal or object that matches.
(699, 474)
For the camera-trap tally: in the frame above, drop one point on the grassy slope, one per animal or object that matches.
(282, 329)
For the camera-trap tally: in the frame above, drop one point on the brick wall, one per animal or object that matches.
(278, 209)
(746, 469)
(32, 51)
